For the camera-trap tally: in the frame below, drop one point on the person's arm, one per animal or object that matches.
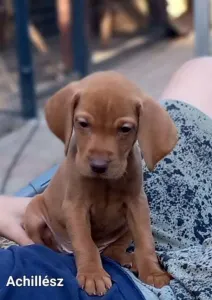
(11, 215)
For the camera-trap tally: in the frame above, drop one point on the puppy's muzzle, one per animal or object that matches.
(99, 166)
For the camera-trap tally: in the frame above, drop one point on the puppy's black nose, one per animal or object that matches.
(99, 165)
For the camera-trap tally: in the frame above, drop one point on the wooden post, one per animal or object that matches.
(24, 55)
(80, 32)
(64, 24)
(3, 19)
(158, 12)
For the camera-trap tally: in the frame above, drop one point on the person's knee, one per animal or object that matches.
(197, 67)
(194, 68)
(192, 84)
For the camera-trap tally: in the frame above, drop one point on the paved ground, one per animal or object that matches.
(151, 69)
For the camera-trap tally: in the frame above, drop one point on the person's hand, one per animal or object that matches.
(11, 216)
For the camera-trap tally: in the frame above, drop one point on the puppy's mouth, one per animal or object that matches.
(109, 174)
(96, 175)
(106, 175)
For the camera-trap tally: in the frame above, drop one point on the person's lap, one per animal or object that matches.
(192, 84)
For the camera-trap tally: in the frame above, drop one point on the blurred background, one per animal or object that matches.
(46, 44)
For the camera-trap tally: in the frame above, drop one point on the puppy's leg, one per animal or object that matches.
(117, 251)
(90, 273)
(146, 259)
(35, 225)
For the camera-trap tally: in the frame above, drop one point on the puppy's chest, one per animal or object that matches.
(107, 213)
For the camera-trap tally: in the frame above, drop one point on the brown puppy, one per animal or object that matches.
(96, 201)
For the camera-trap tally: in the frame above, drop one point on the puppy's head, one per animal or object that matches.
(105, 114)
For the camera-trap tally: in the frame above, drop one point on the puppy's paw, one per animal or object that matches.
(157, 279)
(150, 272)
(94, 283)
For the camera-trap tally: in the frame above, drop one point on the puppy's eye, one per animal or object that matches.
(125, 128)
(83, 123)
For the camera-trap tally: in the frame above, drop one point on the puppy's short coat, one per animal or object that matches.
(96, 202)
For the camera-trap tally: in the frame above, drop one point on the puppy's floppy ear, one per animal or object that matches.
(157, 133)
(59, 112)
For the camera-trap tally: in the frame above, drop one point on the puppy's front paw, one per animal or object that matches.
(157, 279)
(94, 282)
(151, 273)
